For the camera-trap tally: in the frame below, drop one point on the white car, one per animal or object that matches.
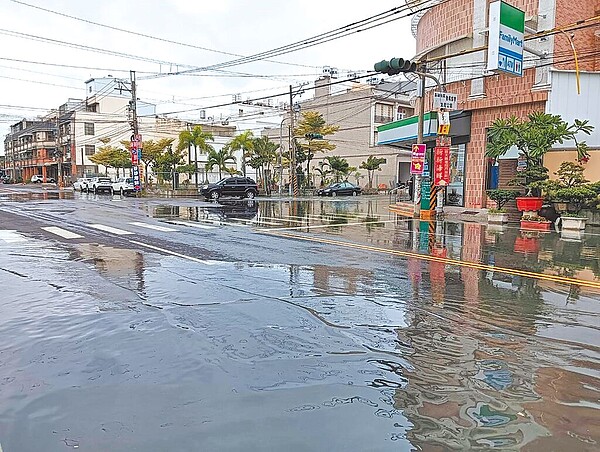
(38, 179)
(123, 186)
(100, 184)
(81, 184)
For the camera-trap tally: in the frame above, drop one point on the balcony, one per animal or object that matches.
(383, 119)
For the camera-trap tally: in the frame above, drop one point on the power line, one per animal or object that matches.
(143, 35)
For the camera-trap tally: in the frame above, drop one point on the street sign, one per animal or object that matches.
(445, 101)
(426, 168)
(417, 161)
(443, 123)
(441, 169)
(505, 42)
(137, 183)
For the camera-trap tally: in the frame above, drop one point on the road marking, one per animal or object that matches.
(62, 232)
(172, 253)
(11, 236)
(321, 226)
(190, 224)
(110, 229)
(445, 260)
(152, 226)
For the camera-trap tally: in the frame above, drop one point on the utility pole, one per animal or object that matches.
(293, 178)
(136, 139)
(59, 153)
(417, 178)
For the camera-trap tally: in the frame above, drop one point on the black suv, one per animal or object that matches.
(242, 187)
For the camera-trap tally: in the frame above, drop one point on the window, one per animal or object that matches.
(90, 149)
(455, 190)
(88, 128)
(91, 108)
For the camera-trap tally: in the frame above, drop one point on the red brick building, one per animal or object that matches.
(548, 82)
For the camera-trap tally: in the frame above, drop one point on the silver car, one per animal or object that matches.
(81, 184)
(98, 184)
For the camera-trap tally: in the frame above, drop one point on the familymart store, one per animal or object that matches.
(403, 134)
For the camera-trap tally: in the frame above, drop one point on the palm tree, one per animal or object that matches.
(245, 143)
(219, 159)
(372, 164)
(265, 155)
(197, 138)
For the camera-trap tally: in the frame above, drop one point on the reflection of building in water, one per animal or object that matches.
(119, 263)
(328, 279)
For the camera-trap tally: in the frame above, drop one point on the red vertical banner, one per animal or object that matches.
(441, 167)
(417, 161)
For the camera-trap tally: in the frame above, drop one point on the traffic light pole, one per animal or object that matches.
(420, 124)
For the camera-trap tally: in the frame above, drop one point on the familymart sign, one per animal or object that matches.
(505, 44)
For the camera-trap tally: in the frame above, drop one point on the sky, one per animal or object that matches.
(221, 28)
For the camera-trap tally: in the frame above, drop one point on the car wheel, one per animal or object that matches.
(122, 192)
(214, 195)
(354, 193)
(250, 194)
(95, 191)
(333, 194)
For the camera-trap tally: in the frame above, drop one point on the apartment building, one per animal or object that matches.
(31, 148)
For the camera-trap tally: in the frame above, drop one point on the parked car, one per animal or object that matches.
(81, 184)
(98, 184)
(340, 189)
(5, 179)
(38, 179)
(123, 186)
(242, 187)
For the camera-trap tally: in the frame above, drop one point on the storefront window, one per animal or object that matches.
(456, 188)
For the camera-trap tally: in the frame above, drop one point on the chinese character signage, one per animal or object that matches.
(505, 43)
(445, 101)
(441, 167)
(137, 183)
(417, 161)
(136, 156)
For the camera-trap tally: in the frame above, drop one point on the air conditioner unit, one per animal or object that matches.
(202, 114)
(326, 70)
(334, 72)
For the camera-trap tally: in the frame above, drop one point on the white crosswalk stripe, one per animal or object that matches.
(62, 232)
(102, 227)
(152, 226)
(11, 236)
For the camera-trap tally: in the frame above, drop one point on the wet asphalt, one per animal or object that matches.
(155, 324)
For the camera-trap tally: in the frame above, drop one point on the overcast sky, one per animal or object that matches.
(235, 26)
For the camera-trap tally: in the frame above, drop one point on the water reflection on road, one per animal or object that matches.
(352, 350)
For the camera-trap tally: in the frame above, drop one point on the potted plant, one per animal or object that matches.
(501, 197)
(535, 223)
(572, 190)
(533, 137)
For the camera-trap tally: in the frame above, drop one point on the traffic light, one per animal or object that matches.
(395, 66)
(313, 136)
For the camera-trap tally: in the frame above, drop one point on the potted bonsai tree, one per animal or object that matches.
(501, 197)
(533, 137)
(572, 191)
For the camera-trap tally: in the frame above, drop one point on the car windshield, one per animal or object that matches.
(129, 181)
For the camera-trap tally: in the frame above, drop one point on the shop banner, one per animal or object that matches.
(441, 167)
(417, 161)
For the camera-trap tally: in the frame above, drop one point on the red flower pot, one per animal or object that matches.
(529, 203)
(535, 225)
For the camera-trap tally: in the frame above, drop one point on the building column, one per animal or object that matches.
(479, 39)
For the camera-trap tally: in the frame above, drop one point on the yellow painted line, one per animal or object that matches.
(445, 260)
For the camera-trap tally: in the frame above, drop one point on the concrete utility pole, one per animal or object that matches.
(135, 170)
(59, 154)
(293, 178)
(417, 180)
(134, 121)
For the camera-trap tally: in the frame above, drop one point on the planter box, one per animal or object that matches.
(497, 218)
(571, 235)
(535, 225)
(573, 223)
(529, 203)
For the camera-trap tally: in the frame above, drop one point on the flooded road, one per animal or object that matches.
(166, 324)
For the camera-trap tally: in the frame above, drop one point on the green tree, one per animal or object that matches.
(189, 169)
(263, 158)
(339, 166)
(533, 137)
(372, 164)
(323, 170)
(219, 159)
(313, 123)
(245, 143)
(166, 163)
(151, 151)
(199, 140)
(106, 156)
